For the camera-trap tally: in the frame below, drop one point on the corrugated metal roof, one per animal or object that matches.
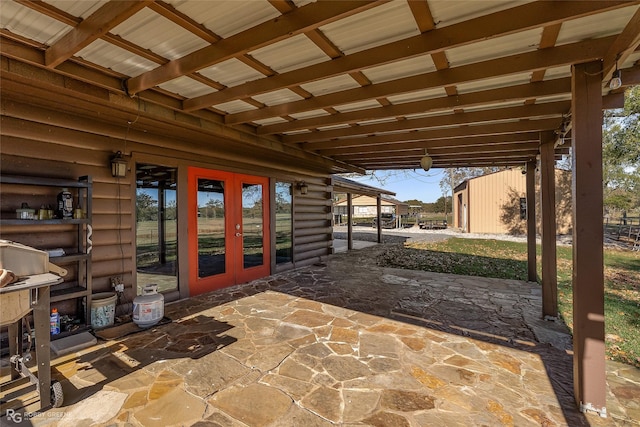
(30, 24)
(447, 12)
(354, 106)
(114, 57)
(82, 9)
(379, 25)
(330, 85)
(309, 114)
(270, 121)
(399, 69)
(231, 73)
(227, 17)
(290, 54)
(158, 34)
(496, 82)
(595, 26)
(525, 41)
(186, 87)
(333, 84)
(235, 107)
(277, 97)
(420, 95)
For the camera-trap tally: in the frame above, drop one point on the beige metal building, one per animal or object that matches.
(366, 206)
(496, 203)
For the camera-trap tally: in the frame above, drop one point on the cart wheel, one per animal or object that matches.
(57, 396)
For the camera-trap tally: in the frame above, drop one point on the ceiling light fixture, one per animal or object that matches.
(616, 79)
(426, 162)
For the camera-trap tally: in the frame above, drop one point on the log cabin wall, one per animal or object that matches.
(47, 142)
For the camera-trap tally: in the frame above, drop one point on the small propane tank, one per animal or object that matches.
(148, 308)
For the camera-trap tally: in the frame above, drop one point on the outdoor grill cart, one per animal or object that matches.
(29, 293)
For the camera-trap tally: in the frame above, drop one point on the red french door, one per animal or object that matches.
(228, 229)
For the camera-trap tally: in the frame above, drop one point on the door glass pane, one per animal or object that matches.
(156, 227)
(211, 227)
(284, 223)
(252, 226)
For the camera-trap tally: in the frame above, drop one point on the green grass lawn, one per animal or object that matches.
(508, 260)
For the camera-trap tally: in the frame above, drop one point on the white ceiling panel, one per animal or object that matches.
(429, 114)
(376, 121)
(484, 107)
(110, 56)
(557, 72)
(27, 23)
(331, 127)
(330, 85)
(231, 73)
(82, 9)
(187, 87)
(525, 41)
(270, 121)
(237, 106)
(448, 12)
(158, 34)
(377, 26)
(309, 114)
(227, 17)
(277, 97)
(420, 95)
(397, 70)
(595, 26)
(290, 54)
(632, 59)
(494, 83)
(361, 105)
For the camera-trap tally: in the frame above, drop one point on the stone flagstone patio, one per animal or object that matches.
(342, 343)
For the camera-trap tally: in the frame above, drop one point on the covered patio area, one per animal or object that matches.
(344, 342)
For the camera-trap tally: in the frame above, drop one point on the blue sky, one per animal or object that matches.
(408, 184)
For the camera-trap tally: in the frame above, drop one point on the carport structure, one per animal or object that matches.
(334, 86)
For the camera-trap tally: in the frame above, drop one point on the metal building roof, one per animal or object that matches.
(358, 84)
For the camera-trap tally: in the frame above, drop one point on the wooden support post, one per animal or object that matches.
(548, 210)
(349, 221)
(379, 217)
(589, 370)
(532, 274)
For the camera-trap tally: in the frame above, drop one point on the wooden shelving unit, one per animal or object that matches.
(72, 235)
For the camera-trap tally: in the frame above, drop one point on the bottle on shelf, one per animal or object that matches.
(54, 321)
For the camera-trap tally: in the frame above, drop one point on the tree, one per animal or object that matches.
(146, 207)
(460, 175)
(621, 155)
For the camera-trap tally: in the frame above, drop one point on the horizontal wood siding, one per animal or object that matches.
(312, 221)
(37, 141)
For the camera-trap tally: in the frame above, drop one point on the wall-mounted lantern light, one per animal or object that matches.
(118, 165)
(303, 187)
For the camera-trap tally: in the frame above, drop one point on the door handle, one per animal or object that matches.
(238, 234)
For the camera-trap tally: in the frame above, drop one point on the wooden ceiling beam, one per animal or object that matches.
(296, 22)
(511, 93)
(435, 152)
(91, 29)
(530, 15)
(461, 131)
(518, 112)
(454, 142)
(525, 62)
